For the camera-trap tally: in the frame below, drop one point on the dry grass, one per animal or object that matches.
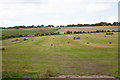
(62, 30)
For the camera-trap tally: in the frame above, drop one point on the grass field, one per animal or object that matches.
(29, 32)
(36, 58)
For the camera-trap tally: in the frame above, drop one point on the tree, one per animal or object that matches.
(115, 23)
(74, 32)
(68, 32)
(58, 32)
(38, 26)
(108, 30)
(113, 30)
(37, 34)
(62, 26)
(97, 31)
(84, 32)
(103, 23)
(42, 25)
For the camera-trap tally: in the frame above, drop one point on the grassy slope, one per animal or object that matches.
(67, 56)
(30, 32)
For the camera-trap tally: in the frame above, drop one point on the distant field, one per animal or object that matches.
(29, 32)
(36, 58)
(62, 30)
(33, 31)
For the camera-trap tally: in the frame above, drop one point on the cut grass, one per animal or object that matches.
(76, 57)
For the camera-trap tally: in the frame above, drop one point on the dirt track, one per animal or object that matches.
(77, 77)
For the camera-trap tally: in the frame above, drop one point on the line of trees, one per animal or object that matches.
(97, 24)
(97, 31)
(46, 34)
(57, 33)
(70, 25)
(19, 35)
(12, 36)
(32, 26)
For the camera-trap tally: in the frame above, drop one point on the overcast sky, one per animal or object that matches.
(56, 12)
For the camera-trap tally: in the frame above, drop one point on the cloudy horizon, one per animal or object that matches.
(57, 12)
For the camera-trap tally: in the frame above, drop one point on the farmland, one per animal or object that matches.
(33, 31)
(36, 58)
(29, 32)
(88, 28)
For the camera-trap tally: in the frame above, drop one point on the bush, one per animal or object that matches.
(97, 31)
(69, 32)
(58, 32)
(113, 30)
(91, 31)
(108, 30)
(3, 35)
(37, 34)
(42, 34)
(84, 32)
(102, 31)
(20, 35)
(74, 32)
(46, 34)
(80, 31)
(26, 35)
(50, 73)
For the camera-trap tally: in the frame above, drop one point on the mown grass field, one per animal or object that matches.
(29, 32)
(36, 58)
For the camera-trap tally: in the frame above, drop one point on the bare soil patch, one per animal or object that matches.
(78, 76)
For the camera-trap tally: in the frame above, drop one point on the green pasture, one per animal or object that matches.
(36, 58)
(29, 32)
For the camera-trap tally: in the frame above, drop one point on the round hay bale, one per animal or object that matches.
(51, 44)
(3, 49)
(16, 39)
(110, 42)
(74, 37)
(25, 39)
(87, 43)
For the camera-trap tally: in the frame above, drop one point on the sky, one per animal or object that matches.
(57, 12)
